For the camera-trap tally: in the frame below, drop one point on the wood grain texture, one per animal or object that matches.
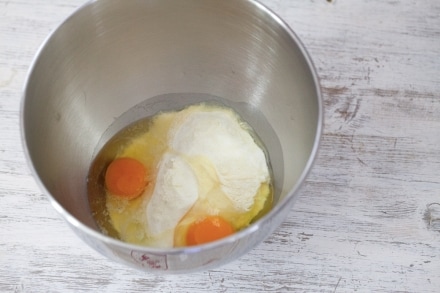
(368, 217)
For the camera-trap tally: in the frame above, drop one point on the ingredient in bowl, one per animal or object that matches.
(207, 230)
(175, 192)
(125, 177)
(208, 177)
(216, 136)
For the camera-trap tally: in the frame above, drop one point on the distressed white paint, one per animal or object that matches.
(365, 221)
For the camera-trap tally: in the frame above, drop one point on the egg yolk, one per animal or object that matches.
(207, 230)
(126, 178)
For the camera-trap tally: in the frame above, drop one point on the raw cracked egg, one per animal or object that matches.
(183, 178)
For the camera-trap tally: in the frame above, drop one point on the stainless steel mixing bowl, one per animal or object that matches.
(113, 62)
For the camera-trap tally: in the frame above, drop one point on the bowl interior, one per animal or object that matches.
(114, 62)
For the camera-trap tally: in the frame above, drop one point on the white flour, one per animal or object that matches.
(175, 193)
(215, 137)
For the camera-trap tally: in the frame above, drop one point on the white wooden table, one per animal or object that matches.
(368, 218)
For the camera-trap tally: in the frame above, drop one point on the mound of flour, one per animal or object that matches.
(214, 136)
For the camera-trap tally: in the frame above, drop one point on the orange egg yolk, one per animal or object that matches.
(207, 230)
(126, 178)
